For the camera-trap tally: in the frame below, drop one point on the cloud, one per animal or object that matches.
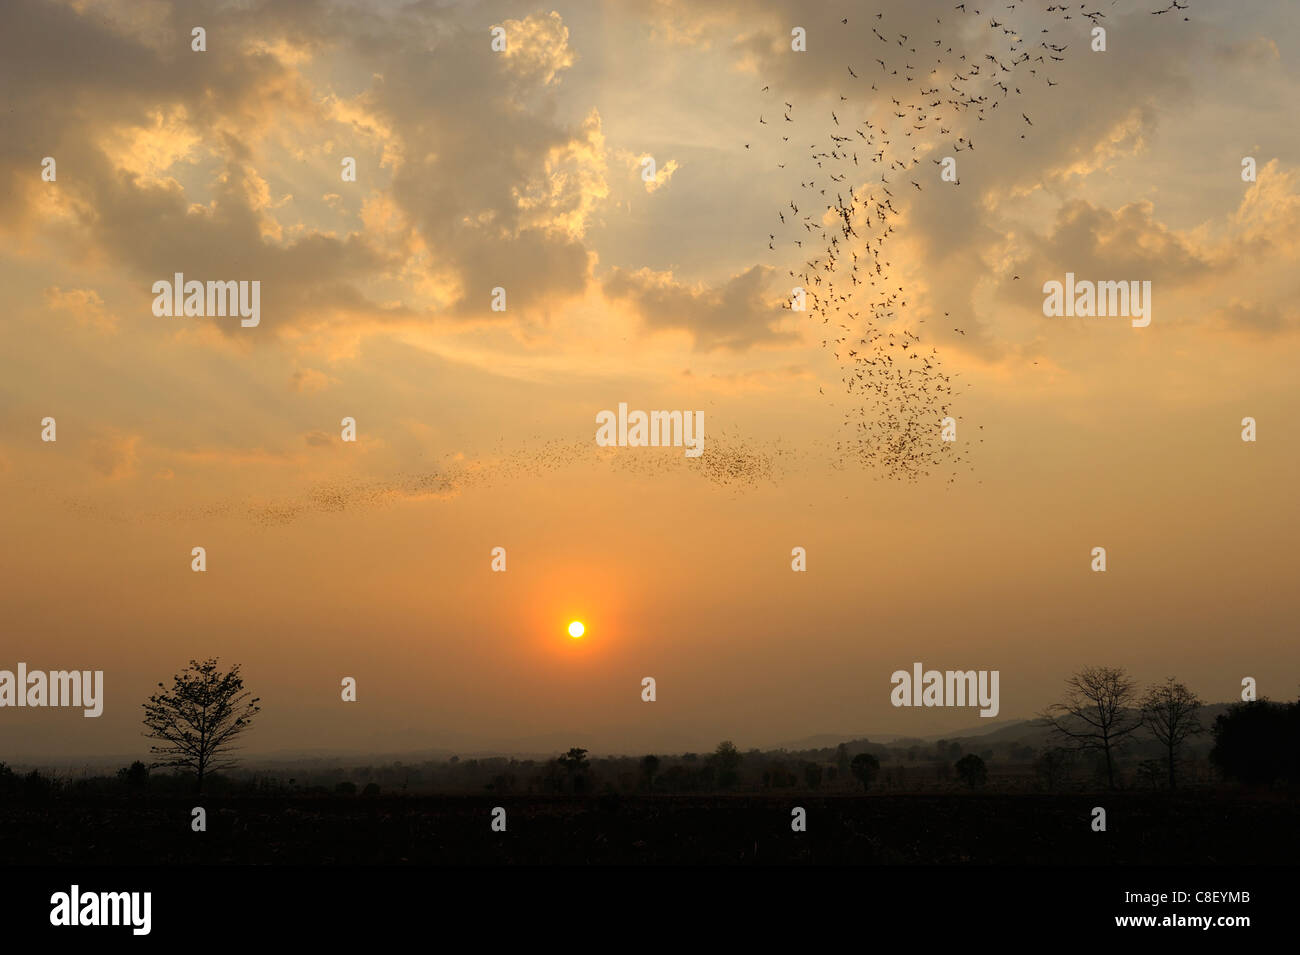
(175, 161)
(310, 380)
(537, 49)
(1254, 319)
(85, 305)
(499, 191)
(1124, 244)
(747, 382)
(115, 456)
(636, 162)
(737, 315)
(1266, 224)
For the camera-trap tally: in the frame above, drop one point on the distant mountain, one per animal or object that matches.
(1032, 733)
(1005, 729)
(420, 745)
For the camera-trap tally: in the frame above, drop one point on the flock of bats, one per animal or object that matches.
(852, 173)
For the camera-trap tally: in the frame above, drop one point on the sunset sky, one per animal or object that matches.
(478, 169)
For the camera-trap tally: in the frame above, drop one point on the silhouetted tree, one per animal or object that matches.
(1258, 742)
(812, 775)
(972, 771)
(36, 787)
(777, 776)
(575, 760)
(1053, 766)
(136, 775)
(575, 765)
(726, 760)
(1150, 771)
(199, 718)
(649, 769)
(864, 768)
(1097, 713)
(1170, 709)
(842, 760)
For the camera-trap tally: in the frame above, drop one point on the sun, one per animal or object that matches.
(576, 629)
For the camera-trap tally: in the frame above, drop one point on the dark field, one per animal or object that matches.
(1195, 828)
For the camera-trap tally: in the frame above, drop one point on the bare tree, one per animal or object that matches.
(199, 718)
(1097, 713)
(1170, 710)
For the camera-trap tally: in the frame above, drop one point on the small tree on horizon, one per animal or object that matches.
(972, 771)
(726, 759)
(649, 769)
(575, 765)
(1169, 709)
(1097, 713)
(1053, 766)
(136, 775)
(199, 718)
(864, 768)
(842, 760)
(812, 775)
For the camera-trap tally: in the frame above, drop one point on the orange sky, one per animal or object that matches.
(476, 428)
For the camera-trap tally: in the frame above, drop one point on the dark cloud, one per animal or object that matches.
(735, 315)
(1257, 320)
(478, 130)
(1101, 244)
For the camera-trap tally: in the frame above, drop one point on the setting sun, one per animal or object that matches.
(576, 629)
